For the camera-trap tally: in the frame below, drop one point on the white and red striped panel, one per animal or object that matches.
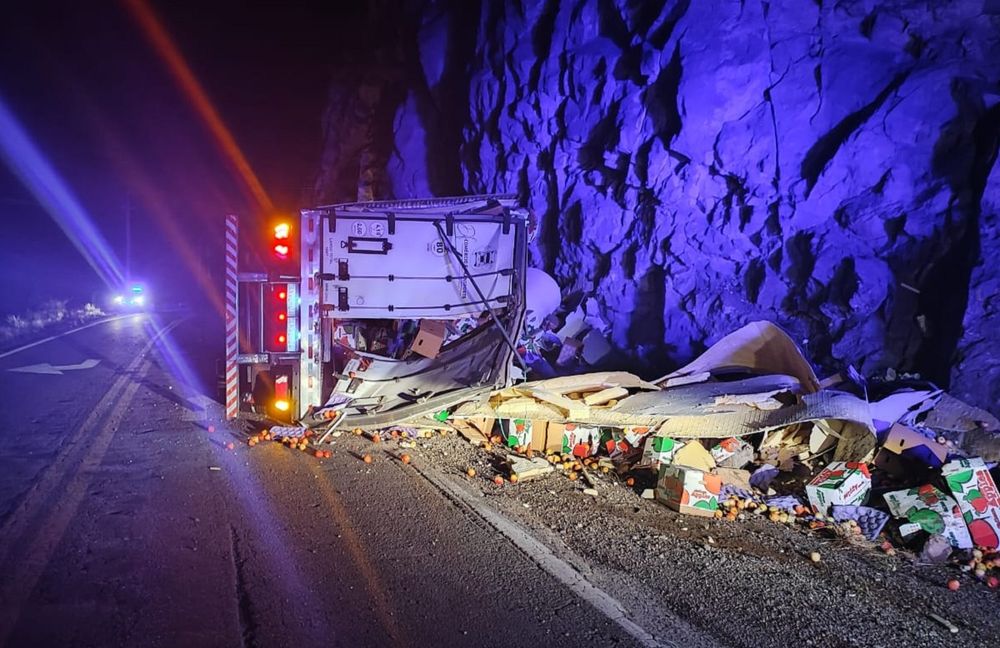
(310, 360)
(232, 318)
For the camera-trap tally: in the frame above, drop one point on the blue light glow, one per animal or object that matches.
(30, 166)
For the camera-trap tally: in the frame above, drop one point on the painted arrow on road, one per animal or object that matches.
(56, 370)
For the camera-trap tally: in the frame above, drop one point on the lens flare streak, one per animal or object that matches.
(24, 158)
(167, 50)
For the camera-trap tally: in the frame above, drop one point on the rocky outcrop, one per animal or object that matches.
(696, 165)
(976, 372)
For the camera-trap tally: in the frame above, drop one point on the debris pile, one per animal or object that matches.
(579, 343)
(746, 431)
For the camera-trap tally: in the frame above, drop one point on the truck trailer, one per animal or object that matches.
(369, 313)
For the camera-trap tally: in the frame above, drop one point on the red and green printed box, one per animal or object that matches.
(613, 440)
(517, 432)
(933, 510)
(732, 453)
(841, 482)
(633, 435)
(580, 440)
(660, 450)
(688, 490)
(977, 497)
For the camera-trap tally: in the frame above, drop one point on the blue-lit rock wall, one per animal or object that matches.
(698, 164)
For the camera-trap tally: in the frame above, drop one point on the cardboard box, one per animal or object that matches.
(429, 338)
(732, 453)
(841, 482)
(634, 435)
(914, 445)
(614, 443)
(527, 469)
(976, 495)
(546, 436)
(569, 351)
(689, 491)
(580, 440)
(521, 432)
(902, 466)
(660, 450)
(736, 477)
(935, 512)
(474, 430)
(694, 455)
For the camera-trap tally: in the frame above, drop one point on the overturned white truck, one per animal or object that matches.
(388, 309)
(393, 311)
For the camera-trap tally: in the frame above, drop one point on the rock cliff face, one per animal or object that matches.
(697, 164)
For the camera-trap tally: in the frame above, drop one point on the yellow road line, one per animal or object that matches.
(32, 534)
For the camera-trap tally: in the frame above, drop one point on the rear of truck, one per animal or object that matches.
(398, 309)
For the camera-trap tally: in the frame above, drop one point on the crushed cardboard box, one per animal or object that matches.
(735, 477)
(694, 455)
(904, 440)
(732, 453)
(579, 440)
(528, 469)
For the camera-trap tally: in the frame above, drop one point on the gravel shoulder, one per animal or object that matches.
(744, 583)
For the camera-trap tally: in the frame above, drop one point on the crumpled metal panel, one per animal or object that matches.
(394, 390)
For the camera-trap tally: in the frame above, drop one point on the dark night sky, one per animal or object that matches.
(102, 107)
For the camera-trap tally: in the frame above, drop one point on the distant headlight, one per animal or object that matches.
(139, 301)
(118, 299)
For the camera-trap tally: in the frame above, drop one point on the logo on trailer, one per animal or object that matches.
(484, 258)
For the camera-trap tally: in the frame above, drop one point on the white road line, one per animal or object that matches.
(21, 577)
(37, 498)
(548, 561)
(37, 527)
(63, 334)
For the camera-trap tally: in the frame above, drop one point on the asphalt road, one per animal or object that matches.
(124, 521)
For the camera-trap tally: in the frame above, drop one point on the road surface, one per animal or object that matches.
(125, 522)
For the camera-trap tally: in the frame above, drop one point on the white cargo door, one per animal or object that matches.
(410, 272)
